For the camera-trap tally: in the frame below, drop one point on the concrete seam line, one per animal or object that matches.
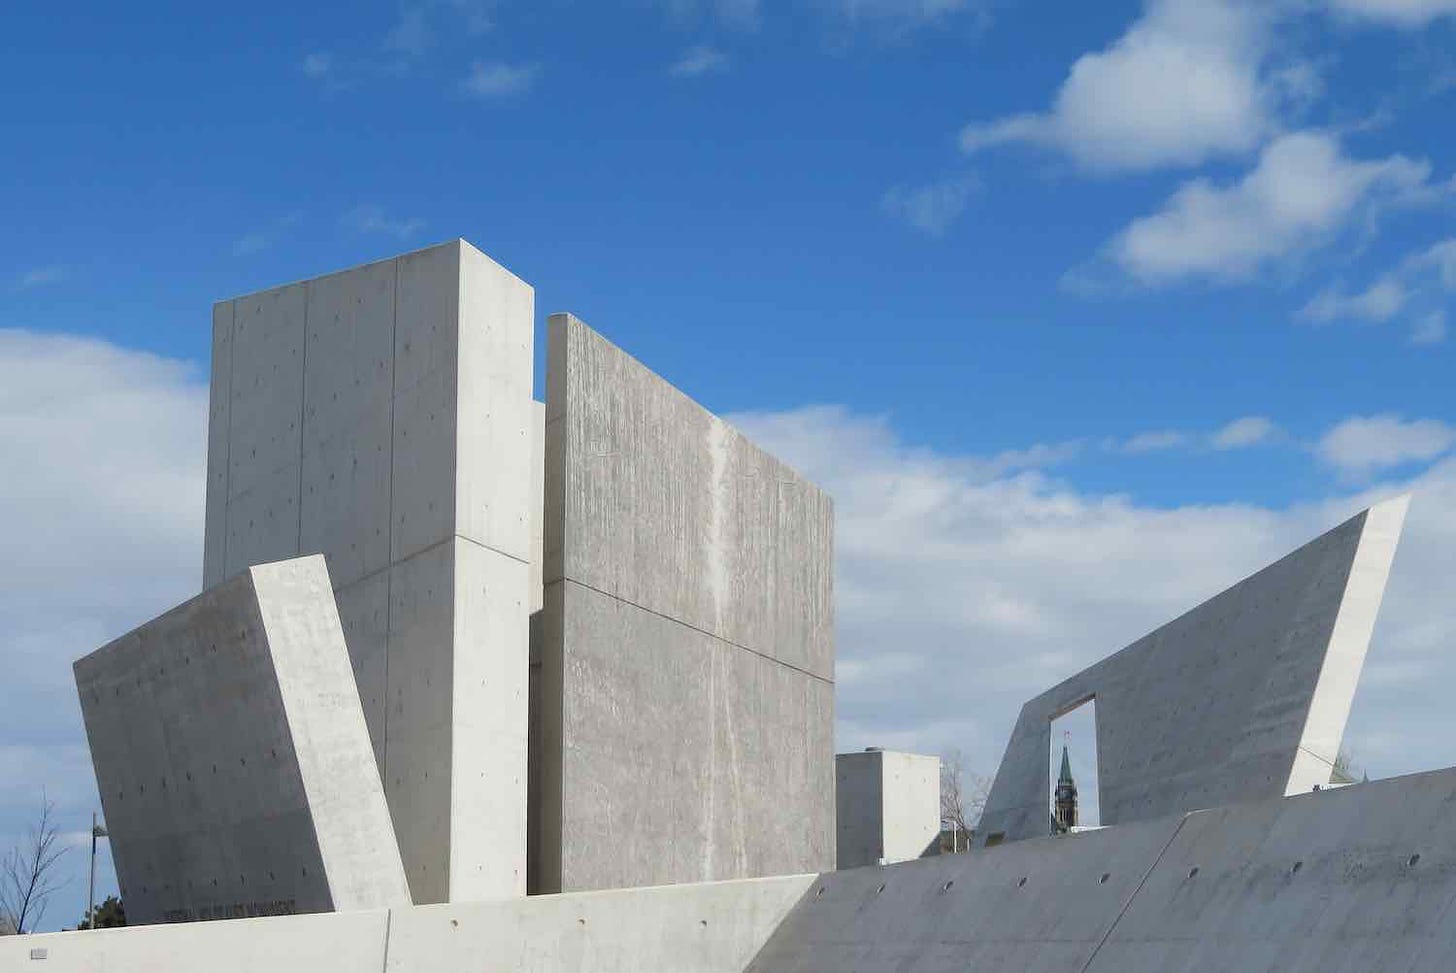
(1132, 898)
(388, 928)
(689, 625)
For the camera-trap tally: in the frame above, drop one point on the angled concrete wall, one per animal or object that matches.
(383, 417)
(232, 758)
(887, 806)
(1347, 881)
(685, 724)
(1244, 697)
(712, 928)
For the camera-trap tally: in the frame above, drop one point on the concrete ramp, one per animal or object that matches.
(1358, 879)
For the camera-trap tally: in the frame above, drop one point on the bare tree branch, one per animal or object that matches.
(962, 795)
(29, 875)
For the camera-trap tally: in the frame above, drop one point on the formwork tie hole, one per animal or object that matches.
(947, 885)
(880, 889)
(1021, 884)
(1294, 870)
(1104, 878)
(1193, 871)
(1412, 861)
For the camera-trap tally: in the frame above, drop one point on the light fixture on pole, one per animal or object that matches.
(97, 831)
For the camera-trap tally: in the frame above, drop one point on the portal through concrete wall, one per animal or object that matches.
(1076, 732)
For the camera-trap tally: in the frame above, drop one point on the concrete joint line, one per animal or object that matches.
(1133, 897)
(712, 635)
(388, 927)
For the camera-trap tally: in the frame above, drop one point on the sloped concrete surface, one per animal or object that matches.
(1242, 698)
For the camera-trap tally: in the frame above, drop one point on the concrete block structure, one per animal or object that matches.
(686, 659)
(887, 807)
(382, 416)
(1244, 697)
(232, 758)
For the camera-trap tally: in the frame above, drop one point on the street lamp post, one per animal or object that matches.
(97, 831)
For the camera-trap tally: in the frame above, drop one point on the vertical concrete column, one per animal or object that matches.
(382, 416)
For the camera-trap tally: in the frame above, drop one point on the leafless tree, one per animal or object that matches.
(962, 797)
(29, 875)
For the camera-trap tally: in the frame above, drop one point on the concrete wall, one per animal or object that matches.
(232, 758)
(887, 807)
(1244, 697)
(713, 928)
(1358, 879)
(382, 416)
(685, 651)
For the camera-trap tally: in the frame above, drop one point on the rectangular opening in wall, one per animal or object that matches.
(1072, 797)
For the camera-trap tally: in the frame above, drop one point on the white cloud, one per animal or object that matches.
(929, 208)
(1364, 445)
(102, 449)
(411, 35)
(372, 219)
(497, 79)
(1184, 84)
(318, 64)
(40, 277)
(1248, 431)
(1429, 329)
(699, 60)
(961, 596)
(1379, 302)
(1150, 442)
(1302, 193)
(1399, 13)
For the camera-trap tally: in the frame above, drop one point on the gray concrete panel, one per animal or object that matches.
(232, 757)
(379, 415)
(684, 721)
(674, 510)
(1244, 697)
(1032, 906)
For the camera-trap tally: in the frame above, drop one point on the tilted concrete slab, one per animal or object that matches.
(684, 724)
(1244, 697)
(711, 928)
(383, 417)
(232, 758)
(1347, 881)
(887, 807)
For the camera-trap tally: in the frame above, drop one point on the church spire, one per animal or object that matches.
(1064, 807)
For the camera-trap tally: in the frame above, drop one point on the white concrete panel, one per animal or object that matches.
(348, 415)
(266, 412)
(710, 928)
(364, 614)
(232, 758)
(494, 445)
(537, 502)
(418, 738)
(489, 733)
(1238, 699)
(337, 943)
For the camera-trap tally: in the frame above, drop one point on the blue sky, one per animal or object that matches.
(1082, 311)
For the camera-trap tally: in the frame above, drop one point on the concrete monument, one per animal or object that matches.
(383, 417)
(1244, 697)
(232, 758)
(686, 655)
